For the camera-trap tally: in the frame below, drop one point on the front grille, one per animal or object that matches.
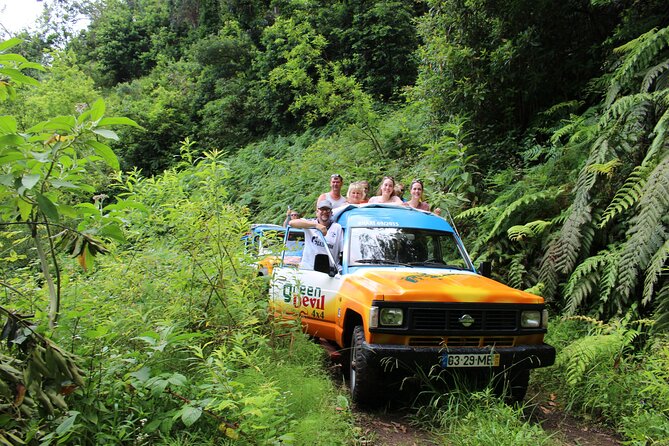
(450, 319)
(474, 341)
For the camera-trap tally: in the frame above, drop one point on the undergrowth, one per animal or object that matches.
(611, 373)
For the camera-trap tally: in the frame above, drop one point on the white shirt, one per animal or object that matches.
(313, 244)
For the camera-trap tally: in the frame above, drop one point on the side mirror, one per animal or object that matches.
(485, 269)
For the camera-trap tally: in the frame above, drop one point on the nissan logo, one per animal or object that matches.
(466, 320)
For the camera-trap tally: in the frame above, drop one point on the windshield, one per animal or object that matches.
(405, 246)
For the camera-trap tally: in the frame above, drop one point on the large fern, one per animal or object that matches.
(648, 232)
(662, 312)
(656, 267)
(528, 230)
(600, 349)
(582, 281)
(640, 54)
(513, 208)
(627, 195)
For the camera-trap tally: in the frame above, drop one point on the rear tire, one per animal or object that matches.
(364, 377)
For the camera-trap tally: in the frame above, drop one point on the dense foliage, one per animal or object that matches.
(541, 126)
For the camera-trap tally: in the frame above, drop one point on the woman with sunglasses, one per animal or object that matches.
(386, 193)
(416, 200)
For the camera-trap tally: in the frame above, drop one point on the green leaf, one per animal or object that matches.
(142, 374)
(7, 180)
(11, 140)
(67, 425)
(30, 180)
(7, 44)
(109, 134)
(112, 231)
(88, 259)
(18, 77)
(177, 379)
(97, 110)
(8, 124)
(106, 153)
(47, 207)
(58, 123)
(11, 157)
(118, 121)
(61, 183)
(25, 209)
(190, 415)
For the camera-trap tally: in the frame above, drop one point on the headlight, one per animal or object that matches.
(530, 319)
(391, 317)
(544, 319)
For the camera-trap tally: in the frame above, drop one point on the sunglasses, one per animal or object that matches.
(417, 180)
(294, 215)
(325, 209)
(336, 175)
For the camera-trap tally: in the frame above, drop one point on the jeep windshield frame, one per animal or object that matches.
(406, 247)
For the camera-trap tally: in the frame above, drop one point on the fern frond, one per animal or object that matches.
(641, 52)
(533, 153)
(653, 73)
(475, 212)
(580, 127)
(626, 105)
(529, 230)
(537, 290)
(627, 195)
(588, 353)
(609, 275)
(568, 244)
(607, 168)
(647, 233)
(523, 201)
(657, 265)
(662, 311)
(558, 109)
(659, 140)
(516, 273)
(581, 282)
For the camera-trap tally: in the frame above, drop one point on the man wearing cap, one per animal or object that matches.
(334, 196)
(313, 241)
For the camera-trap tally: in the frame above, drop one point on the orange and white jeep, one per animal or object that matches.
(405, 291)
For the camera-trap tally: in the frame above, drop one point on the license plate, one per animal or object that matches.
(470, 360)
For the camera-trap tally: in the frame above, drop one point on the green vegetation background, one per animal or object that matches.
(541, 126)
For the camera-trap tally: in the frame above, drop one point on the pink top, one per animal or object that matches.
(423, 206)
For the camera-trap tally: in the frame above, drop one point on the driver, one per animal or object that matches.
(313, 242)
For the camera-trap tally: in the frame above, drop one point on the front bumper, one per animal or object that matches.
(524, 356)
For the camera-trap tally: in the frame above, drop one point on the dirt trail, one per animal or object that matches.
(394, 428)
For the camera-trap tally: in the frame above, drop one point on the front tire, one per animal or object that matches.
(364, 377)
(513, 385)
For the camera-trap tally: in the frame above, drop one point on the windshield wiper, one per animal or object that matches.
(438, 263)
(382, 262)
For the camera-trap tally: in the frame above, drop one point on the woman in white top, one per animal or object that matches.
(386, 193)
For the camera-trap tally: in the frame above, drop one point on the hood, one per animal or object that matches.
(426, 284)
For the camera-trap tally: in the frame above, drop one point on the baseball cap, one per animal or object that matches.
(324, 204)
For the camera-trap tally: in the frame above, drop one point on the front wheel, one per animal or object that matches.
(364, 377)
(513, 385)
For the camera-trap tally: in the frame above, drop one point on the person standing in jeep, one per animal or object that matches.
(334, 196)
(313, 241)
